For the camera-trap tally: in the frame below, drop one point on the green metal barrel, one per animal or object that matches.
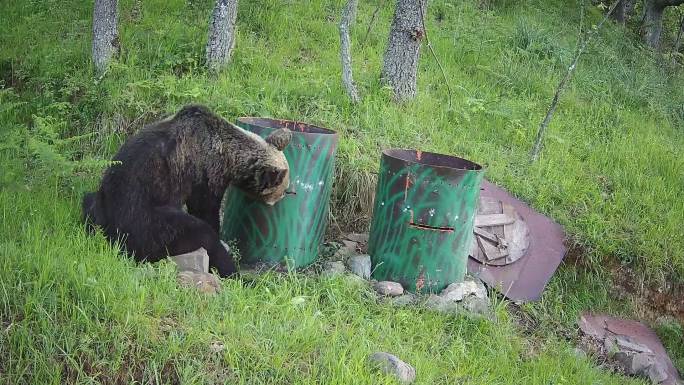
(292, 230)
(423, 217)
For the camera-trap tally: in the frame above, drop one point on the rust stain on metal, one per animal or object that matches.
(406, 188)
(420, 282)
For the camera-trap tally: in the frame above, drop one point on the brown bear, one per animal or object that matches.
(189, 159)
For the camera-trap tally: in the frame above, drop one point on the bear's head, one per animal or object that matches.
(270, 173)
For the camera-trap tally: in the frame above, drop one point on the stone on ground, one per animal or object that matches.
(360, 265)
(403, 300)
(390, 364)
(469, 297)
(349, 244)
(344, 252)
(204, 282)
(459, 290)
(389, 288)
(357, 237)
(333, 268)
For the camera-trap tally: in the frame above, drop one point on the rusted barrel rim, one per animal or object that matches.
(431, 159)
(293, 125)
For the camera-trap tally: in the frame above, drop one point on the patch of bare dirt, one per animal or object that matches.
(650, 302)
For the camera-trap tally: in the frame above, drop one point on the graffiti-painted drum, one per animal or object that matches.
(292, 230)
(423, 216)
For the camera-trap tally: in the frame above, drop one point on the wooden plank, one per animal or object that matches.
(490, 251)
(491, 237)
(489, 206)
(486, 220)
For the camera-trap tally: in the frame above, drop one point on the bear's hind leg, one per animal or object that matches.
(194, 233)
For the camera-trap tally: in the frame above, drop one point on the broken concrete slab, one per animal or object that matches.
(196, 261)
(526, 278)
(632, 345)
(360, 265)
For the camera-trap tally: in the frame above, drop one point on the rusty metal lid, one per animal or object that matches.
(525, 279)
(501, 235)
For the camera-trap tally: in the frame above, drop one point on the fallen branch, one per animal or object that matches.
(429, 45)
(370, 25)
(561, 86)
(348, 16)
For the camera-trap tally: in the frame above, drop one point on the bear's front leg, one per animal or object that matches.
(205, 204)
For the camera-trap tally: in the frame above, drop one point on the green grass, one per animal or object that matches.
(72, 310)
(611, 171)
(75, 312)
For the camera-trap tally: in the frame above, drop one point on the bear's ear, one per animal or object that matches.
(270, 177)
(279, 138)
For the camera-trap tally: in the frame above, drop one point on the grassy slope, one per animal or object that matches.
(75, 312)
(611, 173)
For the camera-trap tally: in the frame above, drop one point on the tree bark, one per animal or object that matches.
(105, 33)
(678, 42)
(221, 34)
(620, 13)
(348, 16)
(403, 49)
(653, 20)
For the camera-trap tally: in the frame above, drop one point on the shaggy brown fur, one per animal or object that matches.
(189, 159)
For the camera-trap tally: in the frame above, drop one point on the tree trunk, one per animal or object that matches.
(403, 49)
(620, 12)
(678, 42)
(105, 33)
(653, 20)
(221, 34)
(629, 9)
(348, 16)
(653, 23)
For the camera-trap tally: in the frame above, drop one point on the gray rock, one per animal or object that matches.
(389, 288)
(403, 300)
(458, 290)
(657, 373)
(349, 244)
(204, 282)
(357, 237)
(390, 364)
(344, 253)
(360, 265)
(442, 305)
(196, 261)
(626, 343)
(333, 268)
(624, 360)
(478, 306)
(640, 364)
